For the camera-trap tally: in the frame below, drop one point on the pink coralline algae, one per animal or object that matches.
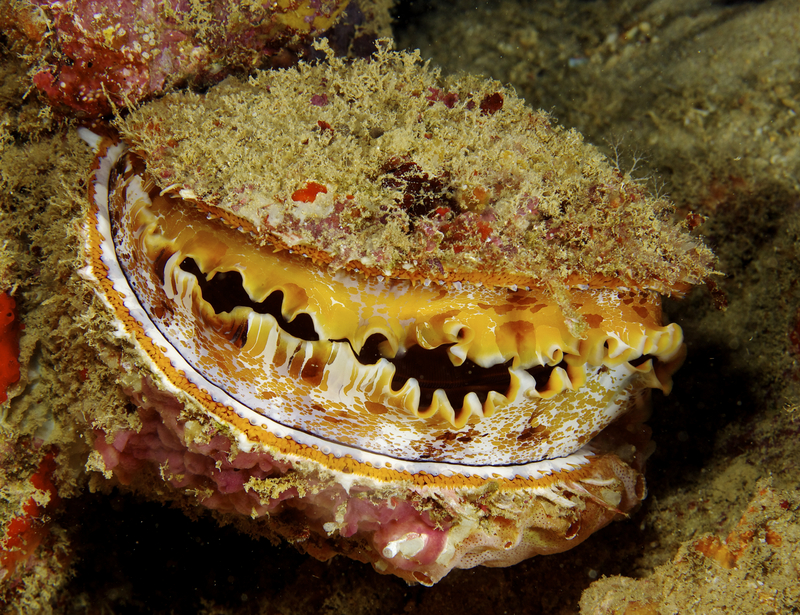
(232, 482)
(92, 55)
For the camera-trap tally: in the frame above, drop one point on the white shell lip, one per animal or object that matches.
(532, 470)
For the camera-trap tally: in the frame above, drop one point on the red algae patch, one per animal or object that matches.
(89, 58)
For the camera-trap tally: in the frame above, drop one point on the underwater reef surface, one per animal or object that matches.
(697, 97)
(88, 57)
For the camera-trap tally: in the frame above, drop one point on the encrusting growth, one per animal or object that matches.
(388, 168)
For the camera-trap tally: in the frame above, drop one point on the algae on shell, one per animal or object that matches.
(384, 166)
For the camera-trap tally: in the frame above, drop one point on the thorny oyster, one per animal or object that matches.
(405, 317)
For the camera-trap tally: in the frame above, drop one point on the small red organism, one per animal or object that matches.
(449, 99)
(484, 229)
(492, 103)
(433, 96)
(694, 220)
(422, 195)
(309, 193)
(9, 344)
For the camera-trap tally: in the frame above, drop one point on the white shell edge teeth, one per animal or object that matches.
(91, 139)
(458, 355)
(472, 405)
(521, 384)
(410, 394)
